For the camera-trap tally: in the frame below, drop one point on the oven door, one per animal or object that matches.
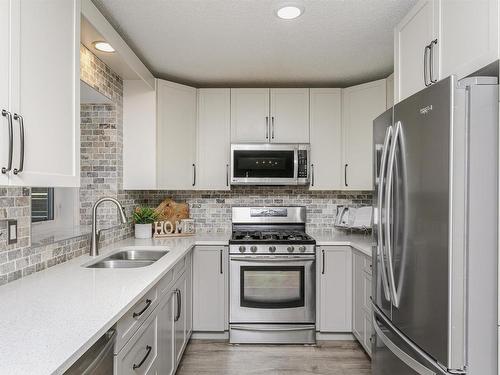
(272, 289)
(264, 164)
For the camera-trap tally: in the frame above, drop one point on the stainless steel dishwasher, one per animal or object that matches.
(98, 360)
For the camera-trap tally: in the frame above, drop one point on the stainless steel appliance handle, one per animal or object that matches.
(380, 245)
(431, 61)
(388, 197)
(137, 314)
(345, 175)
(264, 258)
(227, 174)
(426, 70)
(148, 351)
(282, 329)
(312, 174)
(220, 263)
(11, 141)
(267, 127)
(407, 359)
(19, 118)
(110, 342)
(322, 262)
(194, 174)
(272, 129)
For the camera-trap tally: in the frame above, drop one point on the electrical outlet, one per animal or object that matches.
(11, 231)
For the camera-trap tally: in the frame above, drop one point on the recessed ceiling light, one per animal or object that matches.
(103, 46)
(289, 12)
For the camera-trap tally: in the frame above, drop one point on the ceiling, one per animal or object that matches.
(242, 43)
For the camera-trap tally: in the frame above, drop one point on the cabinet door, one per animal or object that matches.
(250, 120)
(361, 105)
(180, 317)
(214, 137)
(189, 295)
(326, 139)
(46, 91)
(414, 32)
(4, 88)
(210, 297)
(358, 297)
(336, 289)
(166, 333)
(176, 143)
(289, 116)
(469, 35)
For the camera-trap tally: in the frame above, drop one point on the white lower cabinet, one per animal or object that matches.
(334, 294)
(361, 304)
(156, 342)
(210, 289)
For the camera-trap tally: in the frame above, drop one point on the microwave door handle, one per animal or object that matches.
(388, 197)
(380, 234)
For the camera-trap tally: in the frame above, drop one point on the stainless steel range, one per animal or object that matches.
(273, 276)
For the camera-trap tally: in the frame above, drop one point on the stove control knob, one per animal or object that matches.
(302, 249)
(253, 249)
(242, 249)
(290, 249)
(272, 249)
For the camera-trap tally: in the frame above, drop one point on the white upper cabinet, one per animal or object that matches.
(176, 136)
(44, 91)
(468, 35)
(250, 120)
(289, 116)
(213, 139)
(326, 139)
(413, 38)
(361, 105)
(4, 90)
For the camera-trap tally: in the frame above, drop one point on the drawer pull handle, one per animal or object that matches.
(148, 351)
(137, 314)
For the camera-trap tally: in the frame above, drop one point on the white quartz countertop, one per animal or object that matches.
(49, 319)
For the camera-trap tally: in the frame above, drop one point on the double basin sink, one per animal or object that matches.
(129, 258)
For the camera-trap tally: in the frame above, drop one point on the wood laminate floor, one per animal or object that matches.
(221, 358)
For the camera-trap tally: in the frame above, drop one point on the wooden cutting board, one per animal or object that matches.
(170, 210)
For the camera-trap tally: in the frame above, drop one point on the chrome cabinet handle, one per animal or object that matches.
(267, 127)
(194, 174)
(137, 314)
(148, 351)
(220, 264)
(227, 174)
(345, 175)
(312, 174)
(272, 127)
(11, 141)
(426, 70)
(322, 262)
(19, 118)
(431, 61)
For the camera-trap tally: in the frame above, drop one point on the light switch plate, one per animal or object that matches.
(11, 231)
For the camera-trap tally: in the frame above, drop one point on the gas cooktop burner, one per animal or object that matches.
(271, 236)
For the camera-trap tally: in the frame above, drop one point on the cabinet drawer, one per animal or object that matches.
(367, 286)
(139, 355)
(165, 284)
(367, 267)
(180, 267)
(133, 319)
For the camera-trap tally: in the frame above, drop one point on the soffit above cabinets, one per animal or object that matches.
(336, 43)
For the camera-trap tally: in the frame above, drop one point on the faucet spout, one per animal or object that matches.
(94, 239)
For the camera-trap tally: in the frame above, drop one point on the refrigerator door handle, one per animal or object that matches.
(380, 248)
(388, 193)
(407, 359)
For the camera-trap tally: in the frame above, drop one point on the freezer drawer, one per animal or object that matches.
(392, 353)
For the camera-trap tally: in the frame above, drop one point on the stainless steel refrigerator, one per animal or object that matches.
(435, 229)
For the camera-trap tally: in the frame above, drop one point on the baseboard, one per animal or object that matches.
(210, 335)
(333, 336)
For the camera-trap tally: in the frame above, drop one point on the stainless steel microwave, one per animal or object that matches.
(270, 164)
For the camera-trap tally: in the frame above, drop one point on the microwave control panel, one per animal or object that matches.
(302, 159)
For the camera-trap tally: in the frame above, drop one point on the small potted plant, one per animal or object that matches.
(144, 217)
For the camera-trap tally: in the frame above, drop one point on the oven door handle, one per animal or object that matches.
(247, 328)
(261, 259)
